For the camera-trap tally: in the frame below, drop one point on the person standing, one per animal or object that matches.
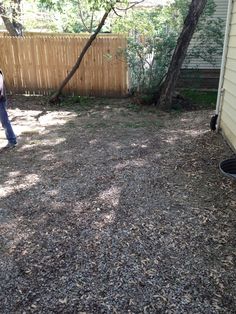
(6, 124)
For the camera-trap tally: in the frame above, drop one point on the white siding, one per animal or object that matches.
(228, 117)
(221, 12)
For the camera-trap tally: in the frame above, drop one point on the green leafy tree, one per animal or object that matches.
(150, 45)
(75, 16)
(152, 40)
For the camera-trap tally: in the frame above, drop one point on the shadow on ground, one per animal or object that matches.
(110, 210)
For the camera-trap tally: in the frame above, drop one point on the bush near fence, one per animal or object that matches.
(37, 64)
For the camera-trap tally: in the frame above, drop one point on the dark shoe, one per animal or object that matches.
(9, 146)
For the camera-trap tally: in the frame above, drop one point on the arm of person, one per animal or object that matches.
(2, 87)
(1, 84)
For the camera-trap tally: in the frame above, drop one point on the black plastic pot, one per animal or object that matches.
(228, 168)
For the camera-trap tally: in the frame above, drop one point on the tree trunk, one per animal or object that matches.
(16, 14)
(167, 89)
(14, 27)
(9, 26)
(55, 96)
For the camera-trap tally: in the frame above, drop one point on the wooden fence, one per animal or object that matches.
(38, 64)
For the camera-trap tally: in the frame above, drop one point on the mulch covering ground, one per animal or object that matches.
(110, 209)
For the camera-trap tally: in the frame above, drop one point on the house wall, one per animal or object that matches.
(228, 116)
(220, 12)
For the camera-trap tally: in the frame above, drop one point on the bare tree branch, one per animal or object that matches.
(132, 4)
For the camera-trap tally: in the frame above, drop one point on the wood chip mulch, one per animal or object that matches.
(113, 210)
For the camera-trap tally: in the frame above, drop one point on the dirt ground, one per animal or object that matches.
(106, 208)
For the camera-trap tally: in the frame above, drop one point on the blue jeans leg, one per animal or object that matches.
(6, 124)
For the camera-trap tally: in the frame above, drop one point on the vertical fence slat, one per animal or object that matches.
(38, 64)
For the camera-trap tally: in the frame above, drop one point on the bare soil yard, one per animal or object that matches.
(109, 208)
